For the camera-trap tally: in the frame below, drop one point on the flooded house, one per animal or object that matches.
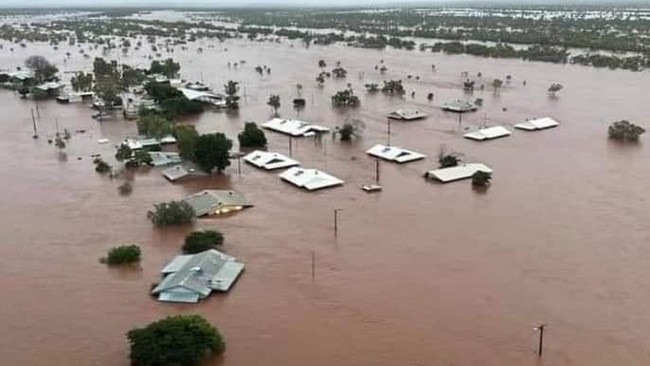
(489, 133)
(294, 127)
(455, 173)
(215, 202)
(394, 153)
(269, 160)
(310, 179)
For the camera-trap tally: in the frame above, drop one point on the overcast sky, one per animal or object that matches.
(223, 3)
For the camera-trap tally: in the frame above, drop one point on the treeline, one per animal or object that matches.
(541, 53)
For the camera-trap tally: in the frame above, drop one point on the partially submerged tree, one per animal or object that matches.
(101, 166)
(372, 87)
(554, 88)
(350, 129)
(200, 241)
(186, 137)
(82, 82)
(625, 131)
(322, 64)
(180, 340)
(169, 68)
(232, 99)
(339, 72)
(345, 98)
(171, 213)
(481, 179)
(448, 160)
(42, 68)
(496, 84)
(123, 254)
(124, 152)
(154, 125)
(212, 152)
(393, 87)
(274, 102)
(251, 136)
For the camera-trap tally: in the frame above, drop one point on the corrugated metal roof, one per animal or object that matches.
(457, 172)
(407, 114)
(311, 179)
(294, 127)
(537, 124)
(394, 153)
(488, 133)
(269, 160)
(212, 201)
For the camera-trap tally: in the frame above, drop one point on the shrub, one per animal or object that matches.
(123, 152)
(481, 179)
(124, 254)
(199, 241)
(251, 136)
(171, 213)
(181, 340)
(101, 166)
(447, 161)
(625, 131)
(125, 188)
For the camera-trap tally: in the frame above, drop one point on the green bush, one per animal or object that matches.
(200, 241)
(448, 161)
(101, 166)
(481, 179)
(625, 131)
(171, 213)
(124, 254)
(252, 136)
(181, 340)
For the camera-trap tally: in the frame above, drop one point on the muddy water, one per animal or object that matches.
(421, 274)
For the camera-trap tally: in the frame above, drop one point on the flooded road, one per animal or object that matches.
(420, 274)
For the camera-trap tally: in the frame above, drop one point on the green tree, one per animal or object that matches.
(274, 102)
(101, 166)
(232, 99)
(124, 152)
(554, 88)
(181, 340)
(123, 254)
(349, 130)
(345, 98)
(251, 136)
(108, 90)
(131, 77)
(448, 160)
(212, 152)
(82, 82)
(481, 179)
(186, 137)
(169, 68)
(625, 131)
(154, 125)
(496, 84)
(200, 241)
(171, 213)
(42, 68)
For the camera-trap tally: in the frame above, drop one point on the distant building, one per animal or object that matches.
(162, 158)
(215, 202)
(183, 171)
(310, 179)
(294, 127)
(489, 133)
(537, 124)
(394, 153)
(269, 160)
(189, 278)
(407, 115)
(455, 173)
(459, 106)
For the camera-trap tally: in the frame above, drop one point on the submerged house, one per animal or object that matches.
(189, 278)
(215, 202)
(459, 106)
(182, 171)
(294, 127)
(455, 173)
(394, 153)
(218, 100)
(407, 115)
(269, 160)
(489, 133)
(162, 158)
(310, 179)
(537, 124)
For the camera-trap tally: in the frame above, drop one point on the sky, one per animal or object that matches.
(270, 3)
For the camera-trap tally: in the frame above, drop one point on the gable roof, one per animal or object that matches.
(459, 106)
(310, 179)
(269, 160)
(407, 114)
(537, 124)
(216, 201)
(294, 127)
(488, 133)
(394, 153)
(190, 277)
(457, 172)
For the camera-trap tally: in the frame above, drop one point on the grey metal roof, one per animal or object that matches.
(195, 276)
(211, 201)
(459, 106)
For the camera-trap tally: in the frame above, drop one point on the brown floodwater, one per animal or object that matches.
(420, 274)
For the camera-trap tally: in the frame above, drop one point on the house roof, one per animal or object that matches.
(203, 96)
(269, 160)
(294, 127)
(457, 172)
(488, 133)
(310, 179)
(180, 171)
(407, 114)
(137, 143)
(537, 124)
(50, 86)
(394, 153)
(216, 201)
(160, 158)
(190, 277)
(21, 75)
(459, 106)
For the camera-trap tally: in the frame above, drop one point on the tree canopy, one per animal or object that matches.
(171, 213)
(169, 68)
(181, 340)
(274, 102)
(42, 68)
(212, 152)
(232, 99)
(186, 137)
(123, 254)
(154, 125)
(251, 136)
(625, 131)
(82, 82)
(199, 241)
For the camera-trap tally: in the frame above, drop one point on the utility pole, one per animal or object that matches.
(290, 146)
(540, 328)
(388, 134)
(239, 165)
(377, 171)
(38, 111)
(313, 265)
(336, 221)
(35, 136)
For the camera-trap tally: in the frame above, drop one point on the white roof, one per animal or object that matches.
(457, 172)
(488, 133)
(50, 86)
(537, 124)
(269, 160)
(136, 144)
(311, 179)
(394, 153)
(21, 75)
(407, 114)
(161, 158)
(293, 127)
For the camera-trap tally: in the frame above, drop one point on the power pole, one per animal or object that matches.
(313, 265)
(239, 165)
(377, 171)
(388, 134)
(540, 348)
(35, 136)
(290, 146)
(336, 221)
